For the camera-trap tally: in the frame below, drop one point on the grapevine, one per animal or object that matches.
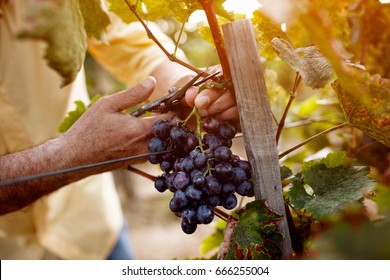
(201, 171)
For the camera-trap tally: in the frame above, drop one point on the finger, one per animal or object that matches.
(225, 101)
(190, 96)
(207, 97)
(228, 114)
(132, 96)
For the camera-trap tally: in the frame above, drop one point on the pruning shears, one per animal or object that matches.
(174, 96)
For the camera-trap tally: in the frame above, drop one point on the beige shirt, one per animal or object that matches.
(82, 220)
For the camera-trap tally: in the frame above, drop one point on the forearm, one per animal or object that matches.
(50, 156)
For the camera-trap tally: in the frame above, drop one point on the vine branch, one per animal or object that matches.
(208, 7)
(312, 138)
(293, 94)
(150, 34)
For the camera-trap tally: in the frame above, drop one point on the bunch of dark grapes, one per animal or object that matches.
(202, 173)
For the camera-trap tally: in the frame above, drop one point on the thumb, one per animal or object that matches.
(133, 95)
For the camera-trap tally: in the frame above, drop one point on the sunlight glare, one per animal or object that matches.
(242, 6)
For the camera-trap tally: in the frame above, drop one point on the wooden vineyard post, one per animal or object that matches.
(256, 119)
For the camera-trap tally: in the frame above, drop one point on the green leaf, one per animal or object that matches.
(285, 172)
(336, 159)
(221, 11)
(298, 195)
(181, 10)
(147, 9)
(120, 8)
(95, 19)
(256, 234)
(331, 160)
(74, 115)
(152, 9)
(266, 30)
(335, 189)
(61, 25)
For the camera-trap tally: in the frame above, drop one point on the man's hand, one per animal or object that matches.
(213, 102)
(105, 132)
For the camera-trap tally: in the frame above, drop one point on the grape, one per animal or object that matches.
(174, 207)
(177, 135)
(193, 193)
(155, 159)
(194, 153)
(189, 216)
(181, 180)
(212, 141)
(169, 182)
(198, 180)
(205, 214)
(214, 201)
(194, 173)
(190, 142)
(166, 166)
(227, 131)
(245, 188)
(180, 198)
(227, 143)
(222, 153)
(160, 184)
(246, 166)
(223, 171)
(200, 171)
(211, 125)
(239, 175)
(200, 160)
(213, 187)
(229, 202)
(177, 164)
(161, 129)
(187, 164)
(228, 189)
(156, 145)
(188, 227)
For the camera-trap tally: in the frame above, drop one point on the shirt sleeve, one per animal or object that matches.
(128, 53)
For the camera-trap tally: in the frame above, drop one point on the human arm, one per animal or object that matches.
(102, 133)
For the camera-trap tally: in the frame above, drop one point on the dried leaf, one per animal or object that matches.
(314, 68)
(372, 113)
(95, 19)
(60, 24)
(224, 247)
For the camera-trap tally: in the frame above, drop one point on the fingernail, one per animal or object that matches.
(148, 82)
(202, 102)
